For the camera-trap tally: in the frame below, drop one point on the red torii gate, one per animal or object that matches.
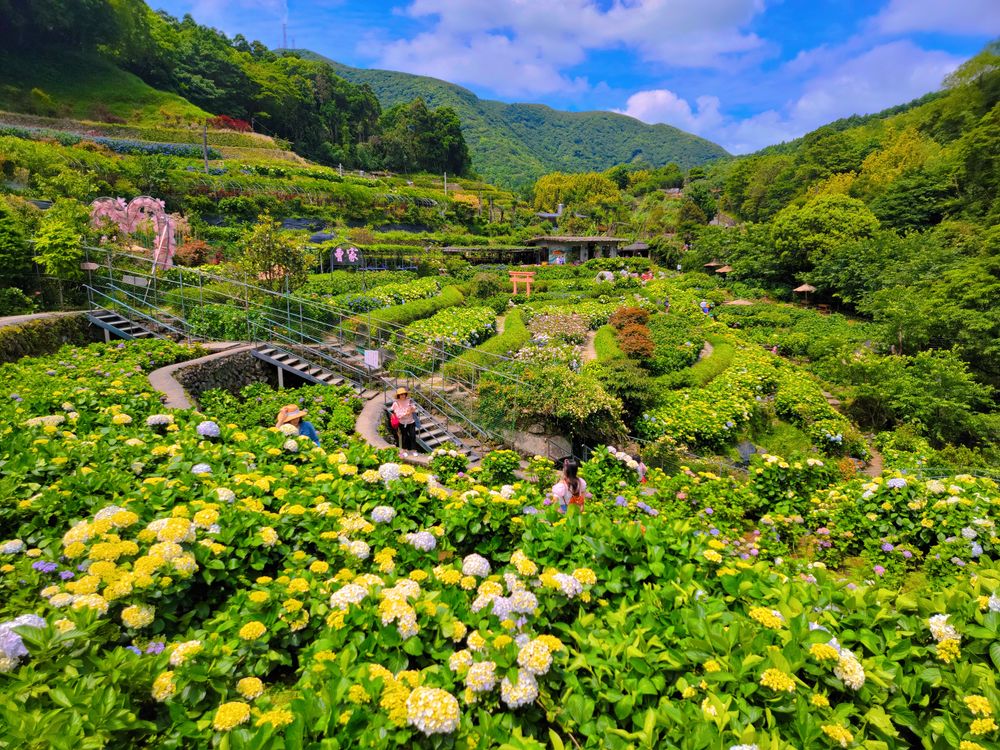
(527, 277)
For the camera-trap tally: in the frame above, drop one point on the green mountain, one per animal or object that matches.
(514, 144)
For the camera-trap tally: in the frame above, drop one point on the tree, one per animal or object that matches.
(15, 258)
(805, 235)
(59, 250)
(274, 259)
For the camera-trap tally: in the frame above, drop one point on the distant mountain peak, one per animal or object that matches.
(514, 144)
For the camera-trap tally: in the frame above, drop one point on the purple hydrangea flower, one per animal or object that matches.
(530, 510)
(155, 647)
(66, 574)
(621, 501)
(907, 554)
(886, 547)
(45, 566)
(201, 469)
(896, 483)
(209, 429)
(134, 650)
(879, 570)
(977, 549)
(709, 511)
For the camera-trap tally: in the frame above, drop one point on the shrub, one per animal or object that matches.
(627, 381)
(485, 285)
(42, 336)
(383, 321)
(498, 467)
(447, 462)
(15, 302)
(634, 341)
(627, 316)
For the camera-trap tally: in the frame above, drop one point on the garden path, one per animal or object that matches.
(589, 350)
(501, 320)
(706, 351)
(874, 466)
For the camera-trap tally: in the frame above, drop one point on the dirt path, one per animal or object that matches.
(589, 353)
(706, 351)
(501, 320)
(874, 466)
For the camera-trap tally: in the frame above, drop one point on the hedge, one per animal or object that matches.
(515, 335)
(400, 315)
(606, 344)
(41, 336)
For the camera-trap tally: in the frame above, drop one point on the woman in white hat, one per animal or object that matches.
(405, 411)
(291, 414)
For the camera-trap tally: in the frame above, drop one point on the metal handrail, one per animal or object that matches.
(117, 304)
(443, 405)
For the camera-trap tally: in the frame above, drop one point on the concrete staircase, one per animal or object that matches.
(120, 327)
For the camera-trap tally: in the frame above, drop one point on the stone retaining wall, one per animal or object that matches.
(231, 373)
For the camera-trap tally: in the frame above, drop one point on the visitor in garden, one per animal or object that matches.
(293, 415)
(570, 488)
(405, 412)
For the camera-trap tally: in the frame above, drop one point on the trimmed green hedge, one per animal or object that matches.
(704, 371)
(401, 315)
(606, 344)
(515, 335)
(43, 336)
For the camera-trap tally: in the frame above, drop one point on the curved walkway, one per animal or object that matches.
(172, 393)
(368, 422)
(589, 353)
(706, 351)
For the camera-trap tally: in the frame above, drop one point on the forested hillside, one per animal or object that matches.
(67, 58)
(514, 144)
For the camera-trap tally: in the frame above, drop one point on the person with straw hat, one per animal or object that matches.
(405, 412)
(293, 415)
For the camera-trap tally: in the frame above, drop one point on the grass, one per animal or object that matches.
(401, 315)
(606, 344)
(783, 439)
(77, 85)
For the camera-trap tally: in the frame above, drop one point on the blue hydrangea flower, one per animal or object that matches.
(201, 469)
(209, 429)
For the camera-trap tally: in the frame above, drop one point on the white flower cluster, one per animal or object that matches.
(941, 630)
(849, 670)
(225, 494)
(624, 457)
(383, 514)
(290, 446)
(481, 677)
(460, 660)
(289, 429)
(421, 540)
(53, 420)
(568, 585)
(11, 547)
(432, 711)
(350, 594)
(389, 472)
(475, 565)
(159, 420)
(12, 648)
(357, 549)
(520, 693)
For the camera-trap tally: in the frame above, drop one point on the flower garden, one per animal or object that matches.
(195, 579)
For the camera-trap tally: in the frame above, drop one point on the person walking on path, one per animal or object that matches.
(570, 489)
(405, 412)
(293, 415)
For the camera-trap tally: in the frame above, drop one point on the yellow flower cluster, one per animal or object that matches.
(250, 688)
(769, 618)
(712, 556)
(712, 666)
(824, 652)
(820, 701)
(231, 715)
(978, 705)
(778, 681)
(276, 717)
(983, 726)
(524, 566)
(586, 576)
(838, 734)
(252, 630)
(138, 616)
(163, 686)
(948, 650)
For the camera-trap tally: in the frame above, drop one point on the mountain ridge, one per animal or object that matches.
(514, 144)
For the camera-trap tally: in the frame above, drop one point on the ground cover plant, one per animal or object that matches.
(174, 578)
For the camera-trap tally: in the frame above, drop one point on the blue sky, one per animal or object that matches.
(744, 73)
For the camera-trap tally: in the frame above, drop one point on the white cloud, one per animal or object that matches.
(663, 105)
(886, 75)
(971, 17)
(522, 46)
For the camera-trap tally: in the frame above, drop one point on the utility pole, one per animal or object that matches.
(284, 36)
(446, 183)
(204, 144)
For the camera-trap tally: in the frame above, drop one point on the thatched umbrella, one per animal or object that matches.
(712, 264)
(739, 303)
(724, 270)
(804, 289)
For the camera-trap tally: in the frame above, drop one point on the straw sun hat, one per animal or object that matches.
(290, 412)
(402, 392)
